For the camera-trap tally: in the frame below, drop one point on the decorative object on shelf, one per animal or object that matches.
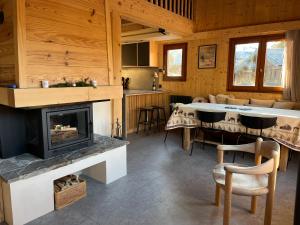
(94, 83)
(207, 56)
(45, 83)
(86, 82)
(155, 76)
(118, 129)
(125, 83)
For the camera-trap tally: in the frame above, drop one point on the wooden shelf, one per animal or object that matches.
(33, 97)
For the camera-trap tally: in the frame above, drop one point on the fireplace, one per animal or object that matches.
(52, 131)
(46, 132)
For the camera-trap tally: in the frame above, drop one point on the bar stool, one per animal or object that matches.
(159, 110)
(211, 118)
(254, 122)
(148, 117)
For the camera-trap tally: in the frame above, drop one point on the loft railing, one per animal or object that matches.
(180, 7)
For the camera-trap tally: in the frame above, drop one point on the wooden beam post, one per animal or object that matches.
(19, 40)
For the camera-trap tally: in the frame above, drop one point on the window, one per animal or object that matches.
(175, 60)
(256, 64)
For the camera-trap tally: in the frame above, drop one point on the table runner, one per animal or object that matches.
(286, 131)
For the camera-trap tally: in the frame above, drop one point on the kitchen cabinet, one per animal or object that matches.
(142, 54)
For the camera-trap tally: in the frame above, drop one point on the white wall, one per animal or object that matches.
(102, 118)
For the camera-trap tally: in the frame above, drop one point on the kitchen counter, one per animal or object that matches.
(134, 100)
(142, 92)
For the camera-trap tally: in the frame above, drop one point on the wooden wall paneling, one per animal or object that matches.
(19, 21)
(220, 14)
(7, 51)
(66, 39)
(202, 82)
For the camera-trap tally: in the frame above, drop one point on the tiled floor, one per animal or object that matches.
(165, 186)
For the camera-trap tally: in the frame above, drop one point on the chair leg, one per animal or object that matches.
(157, 119)
(227, 199)
(182, 132)
(218, 195)
(151, 120)
(234, 153)
(203, 141)
(166, 136)
(269, 208)
(253, 204)
(195, 135)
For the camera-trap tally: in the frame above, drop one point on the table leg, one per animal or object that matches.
(186, 139)
(284, 156)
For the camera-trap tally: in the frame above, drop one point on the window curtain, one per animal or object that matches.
(292, 66)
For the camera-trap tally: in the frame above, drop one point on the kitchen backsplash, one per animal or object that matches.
(140, 78)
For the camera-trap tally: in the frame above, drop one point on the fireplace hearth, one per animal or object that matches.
(46, 132)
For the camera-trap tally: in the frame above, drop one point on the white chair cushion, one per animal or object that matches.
(242, 184)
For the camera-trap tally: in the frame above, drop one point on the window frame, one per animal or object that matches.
(168, 47)
(260, 67)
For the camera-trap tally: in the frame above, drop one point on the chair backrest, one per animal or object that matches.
(269, 150)
(211, 117)
(257, 122)
(181, 99)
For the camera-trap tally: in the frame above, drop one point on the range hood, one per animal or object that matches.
(146, 34)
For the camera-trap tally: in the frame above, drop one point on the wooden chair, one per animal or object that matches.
(248, 181)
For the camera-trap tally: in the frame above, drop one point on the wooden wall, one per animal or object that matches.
(220, 14)
(201, 82)
(65, 39)
(7, 56)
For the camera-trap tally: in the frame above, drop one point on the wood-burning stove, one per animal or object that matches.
(45, 132)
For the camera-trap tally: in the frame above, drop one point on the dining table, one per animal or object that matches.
(286, 131)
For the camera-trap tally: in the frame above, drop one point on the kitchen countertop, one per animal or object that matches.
(142, 92)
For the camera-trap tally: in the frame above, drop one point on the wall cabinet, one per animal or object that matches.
(142, 54)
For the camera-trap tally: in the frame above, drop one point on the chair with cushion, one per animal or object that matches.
(248, 181)
(253, 122)
(210, 118)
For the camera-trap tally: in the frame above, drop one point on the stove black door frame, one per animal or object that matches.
(41, 117)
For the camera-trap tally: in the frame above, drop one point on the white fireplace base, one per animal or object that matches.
(27, 199)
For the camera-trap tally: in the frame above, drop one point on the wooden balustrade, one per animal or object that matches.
(180, 7)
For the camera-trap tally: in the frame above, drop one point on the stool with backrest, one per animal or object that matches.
(249, 181)
(254, 122)
(147, 113)
(209, 118)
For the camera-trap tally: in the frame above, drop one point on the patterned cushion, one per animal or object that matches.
(212, 99)
(237, 101)
(297, 106)
(284, 105)
(222, 99)
(263, 103)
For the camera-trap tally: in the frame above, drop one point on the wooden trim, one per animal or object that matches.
(253, 30)
(32, 97)
(262, 40)
(19, 23)
(109, 42)
(151, 15)
(168, 47)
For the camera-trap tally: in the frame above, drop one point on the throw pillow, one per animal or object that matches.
(263, 103)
